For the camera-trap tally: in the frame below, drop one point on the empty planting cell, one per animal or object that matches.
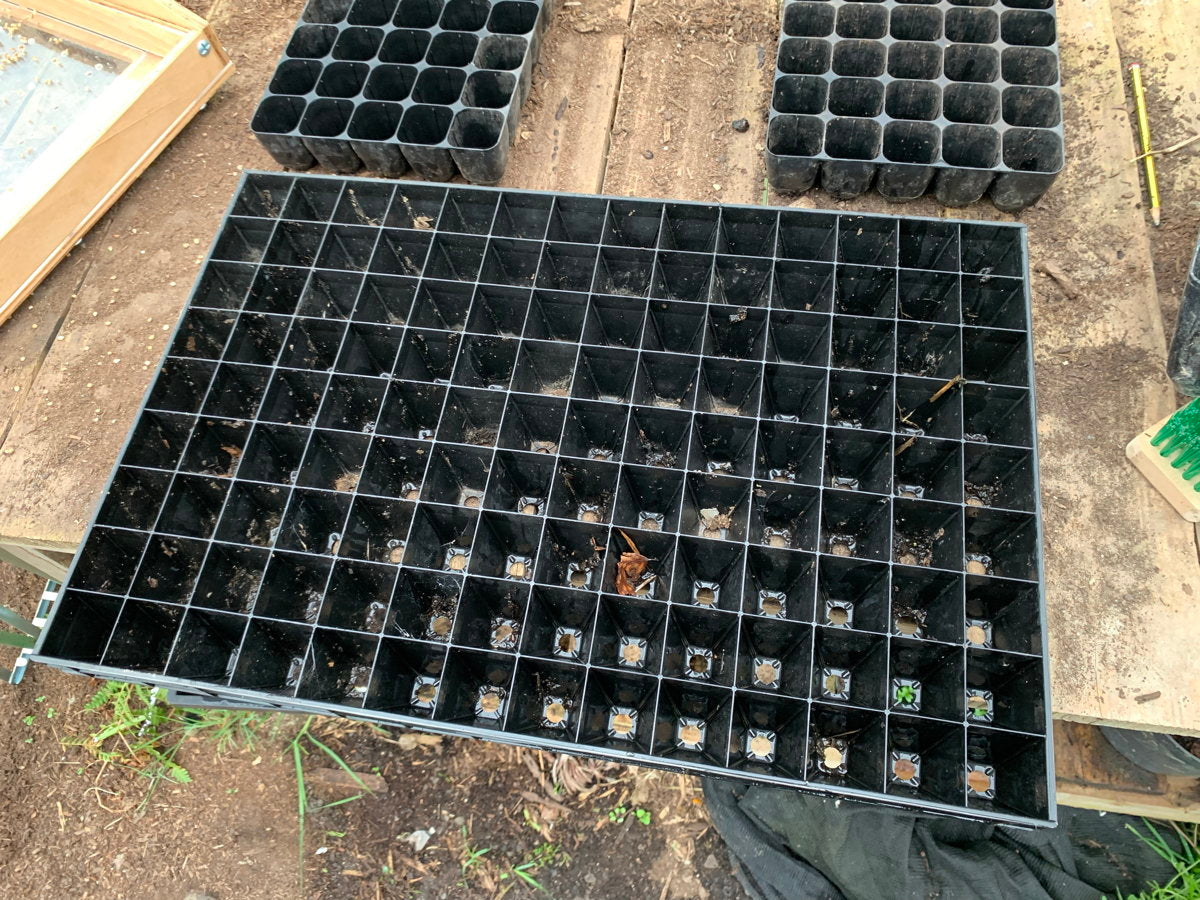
(733, 490)
(584, 490)
(863, 58)
(973, 26)
(913, 59)
(852, 594)
(183, 386)
(682, 276)
(571, 556)
(804, 94)
(326, 11)
(506, 546)
(789, 453)
(477, 689)
(857, 461)
(407, 678)
(996, 415)
(722, 445)
(491, 615)
(418, 13)
(867, 344)
(658, 437)
(972, 63)
(1001, 543)
(915, 23)
(425, 605)
(1027, 28)
(230, 578)
(804, 56)
(779, 583)
(860, 20)
(785, 516)
(849, 667)
(544, 367)
(486, 362)
(808, 19)
(798, 337)
(916, 100)
(1026, 65)
(774, 657)
(707, 576)
(548, 699)
(311, 41)
(1033, 150)
(926, 406)
(648, 498)
(593, 431)
(692, 723)
(512, 17)
(619, 711)
(794, 393)
(1001, 477)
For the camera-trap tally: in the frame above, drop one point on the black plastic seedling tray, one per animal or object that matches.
(435, 85)
(407, 437)
(958, 97)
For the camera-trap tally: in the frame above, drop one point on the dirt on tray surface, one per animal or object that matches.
(489, 821)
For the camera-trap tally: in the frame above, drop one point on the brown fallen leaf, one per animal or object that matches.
(630, 568)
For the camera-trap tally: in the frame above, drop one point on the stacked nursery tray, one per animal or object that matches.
(435, 85)
(731, 490)
(958, 97)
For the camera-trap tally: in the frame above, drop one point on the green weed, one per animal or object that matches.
(618, 814)
(1185, 859)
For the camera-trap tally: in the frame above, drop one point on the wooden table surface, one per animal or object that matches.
(635, 97)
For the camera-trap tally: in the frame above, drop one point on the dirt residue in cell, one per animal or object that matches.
(655, 454)
(347, 481)
(715, 524)
(483, 435)
(982, 494)
(916, 548)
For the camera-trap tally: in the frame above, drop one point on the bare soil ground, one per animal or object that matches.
(75, 827)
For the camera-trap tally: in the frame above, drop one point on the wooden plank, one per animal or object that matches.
(690, 70)
(1092, 775)
(562, 140)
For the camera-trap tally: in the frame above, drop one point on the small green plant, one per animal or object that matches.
(905, 695)
(618, 814)
(1184, 858)
(471, 856)
(142, 733)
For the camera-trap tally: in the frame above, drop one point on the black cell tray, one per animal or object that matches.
(405, 434)
(435, 85)
(958, 97)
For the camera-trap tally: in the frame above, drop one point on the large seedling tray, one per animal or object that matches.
(731, 490)
(388, 84)
(960, 97)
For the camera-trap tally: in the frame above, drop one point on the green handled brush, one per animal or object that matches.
(1168, 454)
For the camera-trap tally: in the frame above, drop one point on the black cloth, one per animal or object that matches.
(795, 846)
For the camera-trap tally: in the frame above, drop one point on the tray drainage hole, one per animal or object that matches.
(906, 693)
(490, 704)
(395, 552)
(632, 653)
(650, 521)
(622, 722)
(566, 642)
(831, 756)
(600, 453)
(705, 593)
(982, 781)
(838, 615)
(835, 683)
(456, 559)
(425, 692)
(543, 447)
(772, 603)
(504, 634)
(699, 663)
(766, 672)
(905, 769)
(439, 626)
(530, 507)
(978, 564)
(909, 623)
(778, 537)
(518, 567)
(589, 514)
(554, 713)
(760, 745)
(690, 734)
(471, 501)
(842, 545)
(979, 632)
(412, 494)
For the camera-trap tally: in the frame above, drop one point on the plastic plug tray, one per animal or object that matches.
(435, 85)
(730, 490)
(958, 97)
